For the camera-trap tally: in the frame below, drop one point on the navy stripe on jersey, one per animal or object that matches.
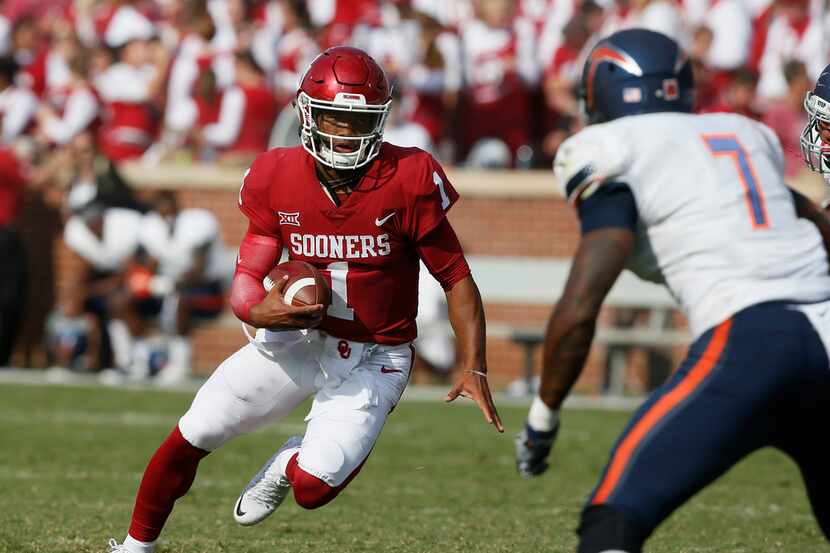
(612, 205)
(578, 180)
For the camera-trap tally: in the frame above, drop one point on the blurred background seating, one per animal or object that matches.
(115, 108)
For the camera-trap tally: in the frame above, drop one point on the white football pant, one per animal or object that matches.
(355, 386)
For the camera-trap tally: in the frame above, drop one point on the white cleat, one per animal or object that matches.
(115, 547)
(266, 490)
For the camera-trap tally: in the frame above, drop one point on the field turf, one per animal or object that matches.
(439, 480)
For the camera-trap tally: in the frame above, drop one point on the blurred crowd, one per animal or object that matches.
(479, 82)
(88, 84)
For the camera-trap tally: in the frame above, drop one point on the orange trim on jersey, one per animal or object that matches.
(748, 186)
(663, 406)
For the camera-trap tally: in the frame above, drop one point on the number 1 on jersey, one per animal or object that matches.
(439, 182)
(728, 145)
(339, 308)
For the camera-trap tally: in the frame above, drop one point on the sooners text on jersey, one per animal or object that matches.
(366, 246)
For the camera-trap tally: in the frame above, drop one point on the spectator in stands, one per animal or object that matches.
(403, 132)
(194, 52)
(562, 79)
(792, 34)
(104, 240)
(73, 105)
(12, 254)
(499, 69)
(434, 79)
(663, 16)
(707, 96)
(295, 48)
(787, 116)
(191, 269)
(740, 96)
(730, 25)
(18, 104)
(208, 98)
(246, 115)
(90, 167)
(127, 89)
(29, 50)
(565, 70)
(233, 33)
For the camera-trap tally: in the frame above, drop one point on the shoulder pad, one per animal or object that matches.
(587, 159)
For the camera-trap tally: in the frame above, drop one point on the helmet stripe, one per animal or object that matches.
(612, 55)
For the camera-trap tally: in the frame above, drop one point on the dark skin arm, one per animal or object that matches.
(273, 313)
(599, 260)
(466, 314)
(806, 209)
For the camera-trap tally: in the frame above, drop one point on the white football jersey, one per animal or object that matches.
(717, 224)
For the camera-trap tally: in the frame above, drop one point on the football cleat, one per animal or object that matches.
(266, 490)
(115, 547)
(532, 450)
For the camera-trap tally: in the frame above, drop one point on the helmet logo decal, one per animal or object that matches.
(348, 98)
(671, 90)
(611, 55)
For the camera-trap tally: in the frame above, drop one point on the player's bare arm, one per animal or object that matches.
(598, 262)
(466, 314)
(806, 209)
(258, 254)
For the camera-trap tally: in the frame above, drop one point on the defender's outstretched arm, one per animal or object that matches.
(599, 260)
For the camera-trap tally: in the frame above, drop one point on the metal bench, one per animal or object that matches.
(533, 281)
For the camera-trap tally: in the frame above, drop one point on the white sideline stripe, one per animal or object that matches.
(120, 418)
(82, 475)
(296, 287)
(35, 377)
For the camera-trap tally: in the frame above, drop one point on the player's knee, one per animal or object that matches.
(311, 492)
(200, 433)
(607, 529)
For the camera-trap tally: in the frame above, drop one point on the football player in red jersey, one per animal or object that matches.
(363, 212)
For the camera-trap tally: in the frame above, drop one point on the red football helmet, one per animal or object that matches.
(345, 84)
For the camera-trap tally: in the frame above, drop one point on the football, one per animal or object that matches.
(306, 286)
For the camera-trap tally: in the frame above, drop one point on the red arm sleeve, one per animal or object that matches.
(441, 253)
(258, 254)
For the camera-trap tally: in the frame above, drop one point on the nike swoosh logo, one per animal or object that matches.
(238, 259)
(379, 222)
(239, 512)
(384, 370)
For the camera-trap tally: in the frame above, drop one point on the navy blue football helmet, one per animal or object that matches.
(816, 152)
(636, 71)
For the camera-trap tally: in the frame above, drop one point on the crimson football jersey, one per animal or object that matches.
(366, 246)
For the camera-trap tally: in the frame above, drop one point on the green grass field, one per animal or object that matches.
(439, 480)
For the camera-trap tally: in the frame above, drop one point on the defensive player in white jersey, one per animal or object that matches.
(815, 138)
(696, 202)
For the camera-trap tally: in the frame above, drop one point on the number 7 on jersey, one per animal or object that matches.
(728, 145)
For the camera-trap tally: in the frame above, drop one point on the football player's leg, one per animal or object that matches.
(689, 432)
(344, 425)
(246, 392)
(801, 438)
(811, 456)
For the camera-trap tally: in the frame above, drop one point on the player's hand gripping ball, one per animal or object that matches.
(305, 286)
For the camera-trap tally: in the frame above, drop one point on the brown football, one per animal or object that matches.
(306, 285)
